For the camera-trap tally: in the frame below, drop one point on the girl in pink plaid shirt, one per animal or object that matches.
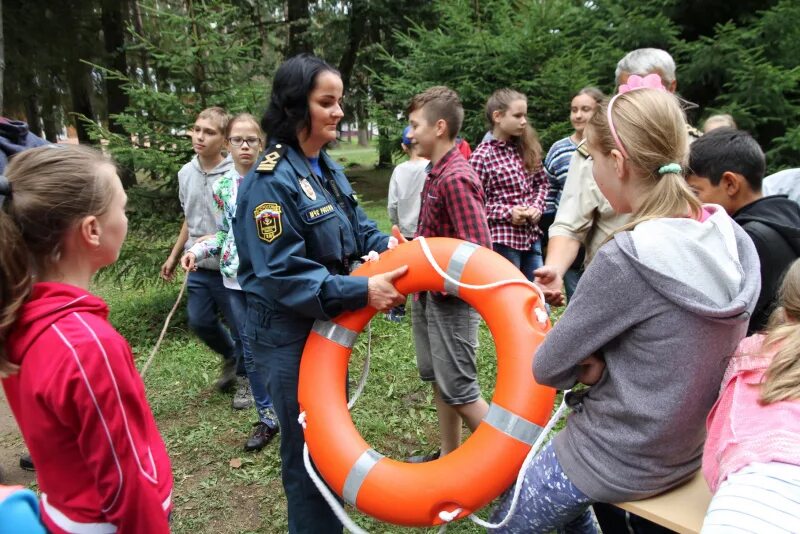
(515, 183)
(751, 458)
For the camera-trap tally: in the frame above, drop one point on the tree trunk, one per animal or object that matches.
(32, 114)
(79, 78)
(358, 20)
(114, 23)
(114, 41)
(298, 19)
(363, 123)
(136, 15)
(49, 122)
(384, 148)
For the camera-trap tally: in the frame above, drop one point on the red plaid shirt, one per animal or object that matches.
(507, 184)
(452, 202)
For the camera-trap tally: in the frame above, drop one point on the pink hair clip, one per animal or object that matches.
(651, 81)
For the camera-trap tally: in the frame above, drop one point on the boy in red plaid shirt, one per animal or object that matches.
(445, 327)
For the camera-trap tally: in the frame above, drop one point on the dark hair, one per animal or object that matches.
(440, 103)
(287, 113)
(727, 150)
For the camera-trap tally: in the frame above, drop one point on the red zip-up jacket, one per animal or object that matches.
(80, 404)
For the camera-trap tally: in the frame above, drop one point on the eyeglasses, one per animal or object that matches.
(239, 141)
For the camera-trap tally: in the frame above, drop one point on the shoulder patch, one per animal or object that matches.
(582, 149)
(268, 221)
(271, 158)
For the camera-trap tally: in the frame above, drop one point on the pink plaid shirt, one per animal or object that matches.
(506, 184)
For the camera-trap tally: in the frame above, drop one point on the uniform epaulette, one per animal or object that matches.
(271, 158)
(582, 149)
(693, 132)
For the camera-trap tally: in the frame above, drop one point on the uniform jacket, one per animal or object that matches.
(80, 404)
(295, 241)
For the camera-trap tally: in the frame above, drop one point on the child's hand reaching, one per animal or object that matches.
(591, 369)
(188, 262)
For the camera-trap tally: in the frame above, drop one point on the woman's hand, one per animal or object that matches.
(188, 262)
(382, 295)
(591, 369)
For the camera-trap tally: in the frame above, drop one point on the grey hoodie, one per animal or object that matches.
(197, 200)
(665, 305)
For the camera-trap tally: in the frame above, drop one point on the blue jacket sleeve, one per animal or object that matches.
(281, 264)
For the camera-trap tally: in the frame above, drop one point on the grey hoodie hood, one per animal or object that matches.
(217, 172)
(698, 265)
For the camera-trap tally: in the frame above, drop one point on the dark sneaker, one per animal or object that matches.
(227, 378)
(26, 463)
(422, 458)
(261, 436)
(243, 398)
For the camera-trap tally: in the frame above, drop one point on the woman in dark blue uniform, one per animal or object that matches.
(299, 230)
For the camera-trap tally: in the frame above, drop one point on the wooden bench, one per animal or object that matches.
(681, 509)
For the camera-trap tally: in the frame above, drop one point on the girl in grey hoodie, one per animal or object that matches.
(652, 324)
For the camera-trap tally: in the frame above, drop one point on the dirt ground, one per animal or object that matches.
(11, 447)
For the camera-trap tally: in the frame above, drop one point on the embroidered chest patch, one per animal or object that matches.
(268, 221)
(308, 189)
(316, 213)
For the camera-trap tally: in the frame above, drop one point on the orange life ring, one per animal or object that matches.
(488, 462)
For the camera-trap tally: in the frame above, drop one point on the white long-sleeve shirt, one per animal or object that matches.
(405, 188)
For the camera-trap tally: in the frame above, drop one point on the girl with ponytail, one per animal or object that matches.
(509, 166)
(69, 377)
(752, 453)
(653, 321)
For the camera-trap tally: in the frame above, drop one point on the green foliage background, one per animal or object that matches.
(735, 58)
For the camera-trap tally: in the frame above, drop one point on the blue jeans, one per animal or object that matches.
(548, 501)
(258, 383)
(526, 261)
(206, 298)
(277, 342)
(571, 279)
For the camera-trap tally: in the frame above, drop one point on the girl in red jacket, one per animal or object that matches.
(68, 375)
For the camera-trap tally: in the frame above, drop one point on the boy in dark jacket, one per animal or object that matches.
(727, 168)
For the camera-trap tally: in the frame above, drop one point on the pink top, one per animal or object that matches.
(740, 429)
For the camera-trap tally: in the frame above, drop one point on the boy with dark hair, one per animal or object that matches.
(445, 327)
(726, 167)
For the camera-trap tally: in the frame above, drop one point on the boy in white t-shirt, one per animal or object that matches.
(405, 188)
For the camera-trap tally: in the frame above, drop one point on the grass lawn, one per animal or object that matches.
(219, 487)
